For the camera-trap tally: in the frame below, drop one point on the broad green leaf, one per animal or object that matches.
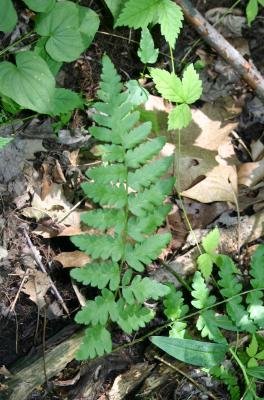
(256, 372)
(170, 16)
(96, 342)
(98, 275)
(251, 11)
(8, 16)
(205, 265)
(89, 24)
(191, 85)
(252, 347)
(167, 84)
(179, 117)
(29, 83)
(40, 49)
(147, 52)
(115, 6)
(64, 100)
(211, 241)
(137, 13)
(61, 26)
(4, 141)
(40, 5)
(143, 289)
(203, 354)
(98, 311)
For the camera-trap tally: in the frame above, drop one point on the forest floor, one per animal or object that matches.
(40, 174)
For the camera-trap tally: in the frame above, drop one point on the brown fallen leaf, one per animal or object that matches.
(72, 259)
(36, 287)
(251, 174)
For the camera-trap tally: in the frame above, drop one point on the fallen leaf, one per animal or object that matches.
(36, 287)
(72, 259)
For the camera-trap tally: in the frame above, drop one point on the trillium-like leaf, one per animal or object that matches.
(40, 5)
(8, 16)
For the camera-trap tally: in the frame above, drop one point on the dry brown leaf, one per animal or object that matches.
(72, 259)
(250, 174)
(220, 184)
(36, 287)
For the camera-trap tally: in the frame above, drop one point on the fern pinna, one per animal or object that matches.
(130, 193)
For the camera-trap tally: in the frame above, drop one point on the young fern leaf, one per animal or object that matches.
(126, 219)
(229, 379)
(174, 308)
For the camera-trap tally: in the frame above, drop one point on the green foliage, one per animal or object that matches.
(4, 141)
(183, 92)
(228, 378)
(252, 10)
(139, 14)
(97, 341)
(123, 239)
(30, 82)
(205, 261)
(147, 52)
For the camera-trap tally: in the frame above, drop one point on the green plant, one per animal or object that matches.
(238, 311)
(252, 10)
(30, 82)
(130, 194)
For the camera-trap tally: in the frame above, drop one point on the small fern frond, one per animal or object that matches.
(174, 307)
(200, 292)
(109, 195)
(144, 289)
(97, 341)
(207, 324)
(110, 174)
(229, 379)
(100, 246)
(137, 135)
(144, 152)
(104, 219)
(110, 152)
(133, 316)
(98, 275)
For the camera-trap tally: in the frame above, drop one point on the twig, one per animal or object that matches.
(200, 387)
(12, 307)
(40, 264)
(244, 68)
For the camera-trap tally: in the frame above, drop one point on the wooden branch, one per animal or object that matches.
(244, 68)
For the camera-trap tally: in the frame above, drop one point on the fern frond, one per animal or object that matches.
(137, 135)
(106, 195)
(98, 275)
(144, 289)
(148, 174)
(97, 311)
(207, 324)
(110, 83)
(100, 246)
(254, 299)
(96, 342)
(110, 152)
(133, 316)
(104, 219)
(146, 251)
(201, 292)
(174, 304)
(229, 379)
(144, 152)
(109, 174)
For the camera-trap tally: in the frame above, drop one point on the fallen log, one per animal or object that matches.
(211, 36)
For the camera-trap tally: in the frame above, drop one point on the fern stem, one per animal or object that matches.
(172, 60)
(241, 366)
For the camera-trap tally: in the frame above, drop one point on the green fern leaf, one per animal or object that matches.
(205, 265)
(4, 141)
(201, 292)
(144, 289)
(110, 84)
(174, 307)
(106, 194)
(137, 135)
(110, 174)
(144, 152)
(149, 173)
(207, 324)
(98, 275)
(97, 312)
(138, 14)
(104, 219)
(110, 153)
(170, 18)
(139, 227)
(147, 52)
(254, 299)
(101, 246)
(96, 342)
(147, 251)
(133, 316)
(211, 241)
(178, 330)
(229, 379)
(150, 198)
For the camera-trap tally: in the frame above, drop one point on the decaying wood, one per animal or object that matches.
(244, 68)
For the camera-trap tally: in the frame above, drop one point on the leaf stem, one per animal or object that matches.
(4, 51)
(241, 366)
(172, 60)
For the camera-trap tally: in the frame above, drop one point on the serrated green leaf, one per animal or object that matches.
(40, 50)
(201, 292)
(208, 326)
(101, 246)
(4, 141)
(229, 379)
(179, 117)
(203, 354)
(8, 16)
(178, 330)
(106, 194)
(143, 289)
(144, 152)
(167, 84)
(61, 26)
(251, 11)
(149, 173)
(147, 52)
(252, 347)
(96, 342)
(98, 275)
(211, 241)
(133, 316)
(147, 251)
(260, 355)
(98, 311)
(108, 174)
(104, 219)
(29, 83)
(138, 14)
(40, 5)
(191, 85)
(170, 17)
(205, 265)
(137, 135)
